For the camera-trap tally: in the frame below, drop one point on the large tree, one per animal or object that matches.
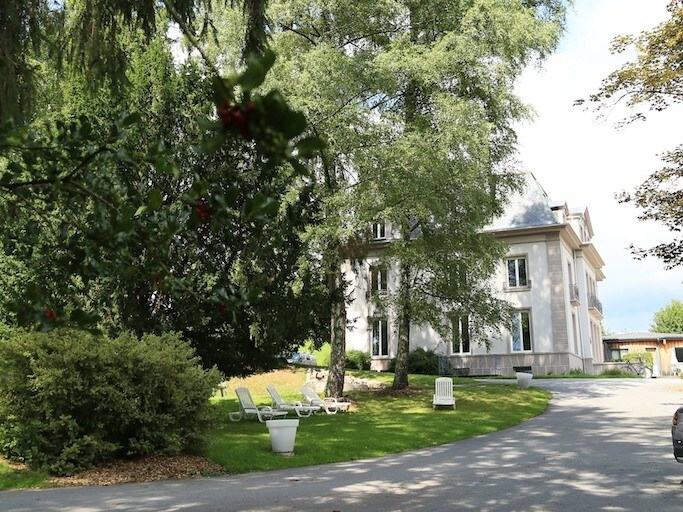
(669, 318)
(171, 221)
(441, 175)
(417, 110)
(653, 79)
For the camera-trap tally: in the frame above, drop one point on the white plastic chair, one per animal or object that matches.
(301, 410)
(328, 404)
(248, 408)
(443, 393)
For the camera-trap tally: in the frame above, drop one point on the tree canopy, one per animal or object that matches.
(185, 214)
(653, 79)
(669, 319)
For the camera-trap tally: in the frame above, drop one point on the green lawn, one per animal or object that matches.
(12, 477)
(381, 424)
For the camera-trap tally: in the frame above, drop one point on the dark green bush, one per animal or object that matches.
(420, 361)
(423, 362)
(70, 399)
(357, 360)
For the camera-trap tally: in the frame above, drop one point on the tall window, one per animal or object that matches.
(516, 268)
(521, 331)
(379, 279)
(379, 230)
(461, 335)
(380, 337)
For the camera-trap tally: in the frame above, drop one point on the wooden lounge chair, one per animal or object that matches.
(328, 404)
(248, 408)
(443, 393)
(301, 410)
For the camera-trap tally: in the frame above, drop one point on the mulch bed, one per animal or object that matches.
(147, 469)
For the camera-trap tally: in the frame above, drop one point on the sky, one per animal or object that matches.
(585, 161)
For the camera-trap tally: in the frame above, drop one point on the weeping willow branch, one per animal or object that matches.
(255, 33)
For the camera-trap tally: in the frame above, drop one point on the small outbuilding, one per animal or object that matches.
(666, 348)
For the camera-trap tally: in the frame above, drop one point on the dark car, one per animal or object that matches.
(677, 434)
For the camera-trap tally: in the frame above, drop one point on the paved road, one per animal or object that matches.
(602, 446)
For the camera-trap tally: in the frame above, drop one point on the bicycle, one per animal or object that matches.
(637, 367)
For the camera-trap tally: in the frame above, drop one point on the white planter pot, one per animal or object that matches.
(282, 435)
(523, 379)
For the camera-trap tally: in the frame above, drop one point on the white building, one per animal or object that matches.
(549, 275)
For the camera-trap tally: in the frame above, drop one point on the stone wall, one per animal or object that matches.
(505, 364)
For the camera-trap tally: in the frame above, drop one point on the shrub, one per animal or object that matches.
(70, 399)
(634, 357)
(357, 360)
(5, 332)
(614, 372)
(576, 371)
(424, 362)
(421, 361)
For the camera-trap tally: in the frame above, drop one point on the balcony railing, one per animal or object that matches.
(594, 303)
(574, 293)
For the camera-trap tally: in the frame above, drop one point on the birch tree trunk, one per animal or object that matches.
(403, 320)
(335, 379)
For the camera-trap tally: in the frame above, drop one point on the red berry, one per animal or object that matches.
(49, 313)
(238, 118)
(224, 113)
(202, 210)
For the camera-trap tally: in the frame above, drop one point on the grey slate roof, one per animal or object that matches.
(528, 208)
(641, 336)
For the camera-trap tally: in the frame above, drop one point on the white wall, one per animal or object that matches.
(536, 299)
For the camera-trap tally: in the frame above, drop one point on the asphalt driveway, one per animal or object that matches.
(604, 445)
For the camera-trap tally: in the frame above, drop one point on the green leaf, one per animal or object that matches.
(260, 206)
(231, 196)
(257, 69)
(154, 200)
(125, 156)
(299, 168)
(209, 124)
(309, 146)
(212, 144)
(221, 91)
(83, 318)
(293, 123)
(130, 119)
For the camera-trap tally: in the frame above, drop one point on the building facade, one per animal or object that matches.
(550, 276)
